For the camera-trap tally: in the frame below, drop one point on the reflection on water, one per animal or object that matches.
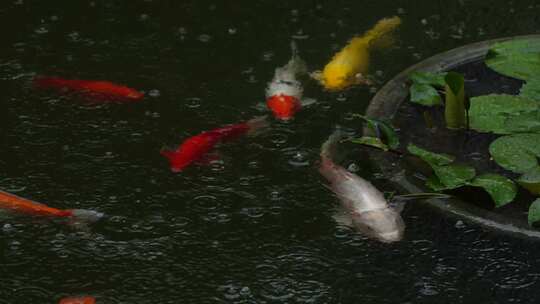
(253, 226)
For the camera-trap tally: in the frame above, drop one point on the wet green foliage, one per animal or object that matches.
(516, 58)
(448, 175)
(370, 141)
(384, 131)
(423, 89)
(504, 114)
(454, 110)
(517, 152)
(531, 89)
(534, 212)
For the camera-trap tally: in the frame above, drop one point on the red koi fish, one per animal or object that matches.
(15, 203)
(284, 92)
(195, 147)
(81, 300)
(95, 90)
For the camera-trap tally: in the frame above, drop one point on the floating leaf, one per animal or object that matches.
(388, 132)
(454, 110)
(370, 141)
(436, 79)
(515, 58)
(531, 89)
(534, 212)
(424, 94)
(501, 189)
(516, 152)
(530, 180)
(434, 159)
(454, 175)
(435, 184)
(503, 114)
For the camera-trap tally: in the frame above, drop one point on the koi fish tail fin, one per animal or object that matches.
(296, 65)
(257, 124)
(47, 82)
(380, 36)
(83, 216)
(329, 147)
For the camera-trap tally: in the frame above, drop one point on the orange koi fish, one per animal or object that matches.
(284, 92)
(15, 203)
(195, 147)
(95, 90)
(80, 300)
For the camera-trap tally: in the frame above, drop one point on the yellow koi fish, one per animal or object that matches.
(350, 65)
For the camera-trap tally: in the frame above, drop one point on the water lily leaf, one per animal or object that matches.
(534, 212)
(530, 180)
(502, 114)
(531, 89)
(517, 153)
(434, 159)
(388, 132)
(454, 110)
(454, 175)
(436, 79)
(515, 58)
(501, 189)
(370, 141)
(435, 184)
(424, 94)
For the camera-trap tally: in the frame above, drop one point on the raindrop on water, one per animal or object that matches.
(204, 38)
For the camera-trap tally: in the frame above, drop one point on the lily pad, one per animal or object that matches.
(434, 159)
(534, 212)
(424, 94)
(370, 141)
(454, 175)
(517, 153)
(503, 114)
(436, 79)
(531, 89)
(515, 58)
(530, 180)
(501, 189)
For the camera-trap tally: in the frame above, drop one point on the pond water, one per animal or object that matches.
(255, 226)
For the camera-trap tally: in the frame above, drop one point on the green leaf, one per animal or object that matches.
(503, 114)
(454, 110)
(379, 126)
(530, 180)
(454, 176)
(515, 58)
(436, 79)
(370, 141)
(534, 212)
(424, 94)
(516, 152)
(531, 89)
(501, 189)
(434, 159)
(435, 184)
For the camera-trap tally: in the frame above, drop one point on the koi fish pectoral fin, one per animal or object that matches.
(361, 79)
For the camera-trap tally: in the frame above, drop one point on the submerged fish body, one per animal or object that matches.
(94, 90)
(78, 300)
(365, 207)
(18, 204)
(350, 65)
(196, 147)
(284, 92)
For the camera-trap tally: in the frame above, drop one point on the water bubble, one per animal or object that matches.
(232, 31)
(143, 17)
(460, 224)
(204, 38)
(299, 159)
(193, 102)
(41, 30)
(154, 93)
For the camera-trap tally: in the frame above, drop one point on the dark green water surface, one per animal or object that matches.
(255, 226)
